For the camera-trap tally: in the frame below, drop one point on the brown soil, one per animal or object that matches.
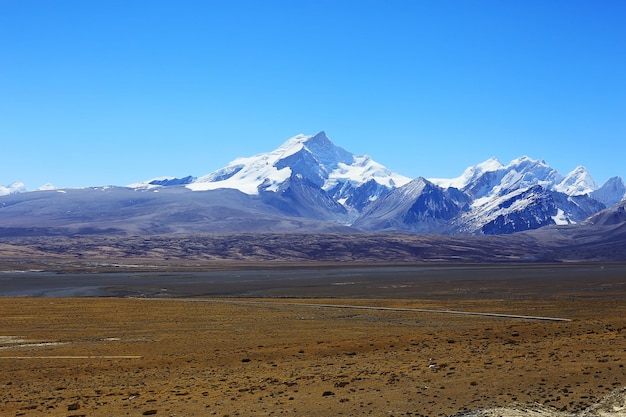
(117, 357)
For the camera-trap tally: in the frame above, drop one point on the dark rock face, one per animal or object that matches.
(174, 181)
(433, 203)
(303, 198)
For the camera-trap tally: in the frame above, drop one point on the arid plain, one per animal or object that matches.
(253, 349)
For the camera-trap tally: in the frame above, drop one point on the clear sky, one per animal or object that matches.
(118, 91)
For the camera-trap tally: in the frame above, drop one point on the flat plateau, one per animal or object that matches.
(167, 344)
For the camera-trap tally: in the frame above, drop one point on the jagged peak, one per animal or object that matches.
(532, 171)
(14, 188)
(315, 157)
(578, 182)
(289, 147)
(617, 180)
(416, 185)
(524, 161)
(318, 145)
(47, 187)
(579, 170)
(491, 164)
(320, 138)
(302, 139)
(470, 174)
(611, 192)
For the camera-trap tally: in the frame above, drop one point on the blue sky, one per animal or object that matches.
(114, 92)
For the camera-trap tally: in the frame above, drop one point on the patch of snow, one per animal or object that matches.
(47, 187)
(560, 218)
(362, 170)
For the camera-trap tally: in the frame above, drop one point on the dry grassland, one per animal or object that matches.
(133, 357)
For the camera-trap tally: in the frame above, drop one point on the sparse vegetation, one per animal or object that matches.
(158, 356)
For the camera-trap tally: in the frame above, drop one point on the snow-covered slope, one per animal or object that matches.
(314, 158)
(613, 191)
(577, 182)
(470, 175)
(521, 209)
(492, 198)
(525, 194)
(491, 177)
(16, 187)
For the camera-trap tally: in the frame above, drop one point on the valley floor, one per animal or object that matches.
(285, 356)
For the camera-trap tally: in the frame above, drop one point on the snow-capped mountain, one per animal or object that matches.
(309, 182)
(490, 198)
(350, 180)
(16, 187)
(19, 187)
(577, 182)
(525, 194)
(492, 177)
(471, 175)
(613, 191)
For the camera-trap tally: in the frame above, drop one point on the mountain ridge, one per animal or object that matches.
(309, 181)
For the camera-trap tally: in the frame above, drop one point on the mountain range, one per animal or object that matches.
(310, 184)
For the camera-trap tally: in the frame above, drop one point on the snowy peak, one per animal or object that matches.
(247, 174)
(47, 187)
(613, 191)
(577, 182)
(20, 187)
(314, 158)
(525, 172)
(327, 153)
(470, 174)
(492, 178)
(16, 187)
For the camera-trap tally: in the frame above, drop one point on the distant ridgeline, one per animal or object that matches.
(310, 184)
